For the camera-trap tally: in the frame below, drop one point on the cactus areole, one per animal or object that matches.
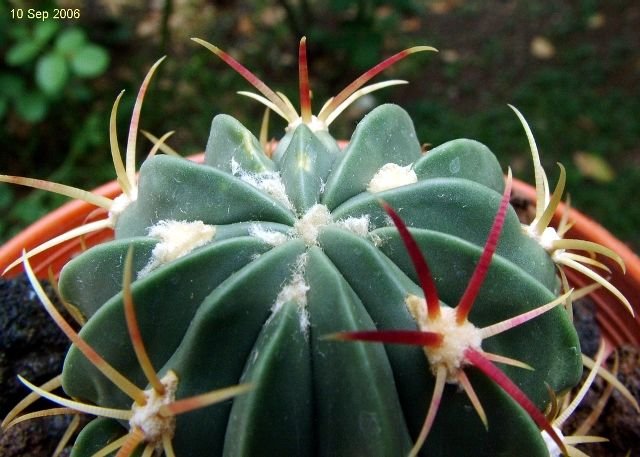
(243, 268)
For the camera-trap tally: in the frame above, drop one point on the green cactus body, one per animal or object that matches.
(296, 247)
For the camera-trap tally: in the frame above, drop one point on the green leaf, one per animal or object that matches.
(90, 61)
(51, 73)
(11, 86)
(43, 31)
(70, 41)
(17, 32)
(31, 207)
(6, 196)
(4, 103)
(32, 106)
(22, 53)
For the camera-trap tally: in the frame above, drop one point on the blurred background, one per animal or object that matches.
(572, 68)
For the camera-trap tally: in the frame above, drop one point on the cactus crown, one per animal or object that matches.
(244, 271)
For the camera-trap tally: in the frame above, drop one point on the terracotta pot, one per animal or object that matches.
(618, 326)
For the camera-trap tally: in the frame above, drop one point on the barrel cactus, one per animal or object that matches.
(237, 277)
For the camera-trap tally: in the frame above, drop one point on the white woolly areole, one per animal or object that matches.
(177, 238)
(457, 337)
(309, 225)
(391, 176)
(315, 125)
(269, 182)
(148, 418)
(296, 291)
(357, 225)
(552, 446)
(545, 239)
(417, 307)
(120, 203)
(272, 237)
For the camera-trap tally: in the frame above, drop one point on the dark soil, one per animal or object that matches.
(619, 422)
(31, 346)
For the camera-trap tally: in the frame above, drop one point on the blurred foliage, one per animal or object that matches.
(48, 69)
(572, 68)
(42, 59)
